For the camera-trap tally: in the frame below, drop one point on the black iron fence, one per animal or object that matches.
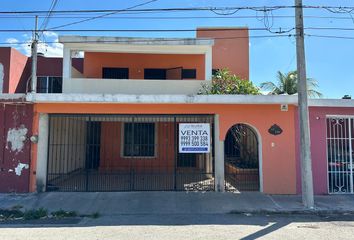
(125, 153)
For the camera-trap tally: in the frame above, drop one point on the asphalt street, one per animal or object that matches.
(190, 226)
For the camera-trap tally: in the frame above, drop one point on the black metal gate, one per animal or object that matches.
(125, 153)
(241, 159)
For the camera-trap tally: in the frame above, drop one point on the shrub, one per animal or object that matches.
(6, 214)
(35, 214)
(64, 214)
(224, 82)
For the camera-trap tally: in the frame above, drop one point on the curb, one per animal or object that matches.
(295, 212)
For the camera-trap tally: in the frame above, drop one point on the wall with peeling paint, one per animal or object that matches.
(15, 131)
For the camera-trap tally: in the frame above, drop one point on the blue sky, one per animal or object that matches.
(329, 61)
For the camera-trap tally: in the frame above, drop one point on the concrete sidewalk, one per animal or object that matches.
(130, 203)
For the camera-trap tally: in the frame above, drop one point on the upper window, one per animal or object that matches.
(170, 73)
(189, 74)
(115, 73)
(49, 84)
(139, 140)
(155, 73)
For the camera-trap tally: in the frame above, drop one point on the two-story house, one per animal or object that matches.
(124, 114)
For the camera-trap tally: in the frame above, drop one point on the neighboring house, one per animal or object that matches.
(126, 117)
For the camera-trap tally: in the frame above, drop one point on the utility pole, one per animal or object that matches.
(305, 142)
(34, 57)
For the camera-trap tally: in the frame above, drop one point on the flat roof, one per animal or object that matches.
(223, 28)
(67, 39)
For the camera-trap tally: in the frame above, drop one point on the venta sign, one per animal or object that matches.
(194, 137)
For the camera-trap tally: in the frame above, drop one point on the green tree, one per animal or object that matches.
(224, 82)
(287, 84)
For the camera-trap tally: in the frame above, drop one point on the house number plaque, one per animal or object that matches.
(275, 130)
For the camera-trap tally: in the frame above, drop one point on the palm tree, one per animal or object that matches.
(287, 84)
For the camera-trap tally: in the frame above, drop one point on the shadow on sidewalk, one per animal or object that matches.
(172, 209)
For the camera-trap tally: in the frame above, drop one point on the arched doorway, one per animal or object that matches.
(241, 159)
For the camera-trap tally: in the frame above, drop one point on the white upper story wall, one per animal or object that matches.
(184, 50)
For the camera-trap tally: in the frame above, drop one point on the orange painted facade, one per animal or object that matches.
(278, 152)
(95, 61)
(230, 50)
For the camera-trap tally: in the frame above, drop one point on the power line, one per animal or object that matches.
(46, 19)
(277, 30)
(330, 28)
(335, 9)
(149, 40)
(185, 17)
(330, 36)
(149, 10)
(146, 30)
(104, 15)
(169, 40)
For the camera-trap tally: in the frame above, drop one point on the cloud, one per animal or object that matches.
(50, 34)
(12, 40)
(54, 49)
(48, 44)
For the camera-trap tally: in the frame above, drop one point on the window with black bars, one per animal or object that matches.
(139, 139)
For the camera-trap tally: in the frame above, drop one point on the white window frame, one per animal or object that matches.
(47, 78)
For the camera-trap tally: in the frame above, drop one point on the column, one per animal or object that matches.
(66, 69)
(42, 152)
(208, 64)
(219, 157)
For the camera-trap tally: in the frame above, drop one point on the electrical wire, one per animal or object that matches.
(149, 40)
(104, 15)
(330, 36)
(333, 9)
(273, 29)
(142, 30)
(46, 19)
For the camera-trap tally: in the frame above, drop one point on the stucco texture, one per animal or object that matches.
(230, 50)
(278, 152)
(318, 145)
(95, 61)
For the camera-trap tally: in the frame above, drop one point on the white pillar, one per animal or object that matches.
(219, 157)
(66, 68)
(42, 152)
(208, 64)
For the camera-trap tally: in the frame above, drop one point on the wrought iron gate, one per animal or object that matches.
(124, 153)
(340, 145)
(241, 159)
